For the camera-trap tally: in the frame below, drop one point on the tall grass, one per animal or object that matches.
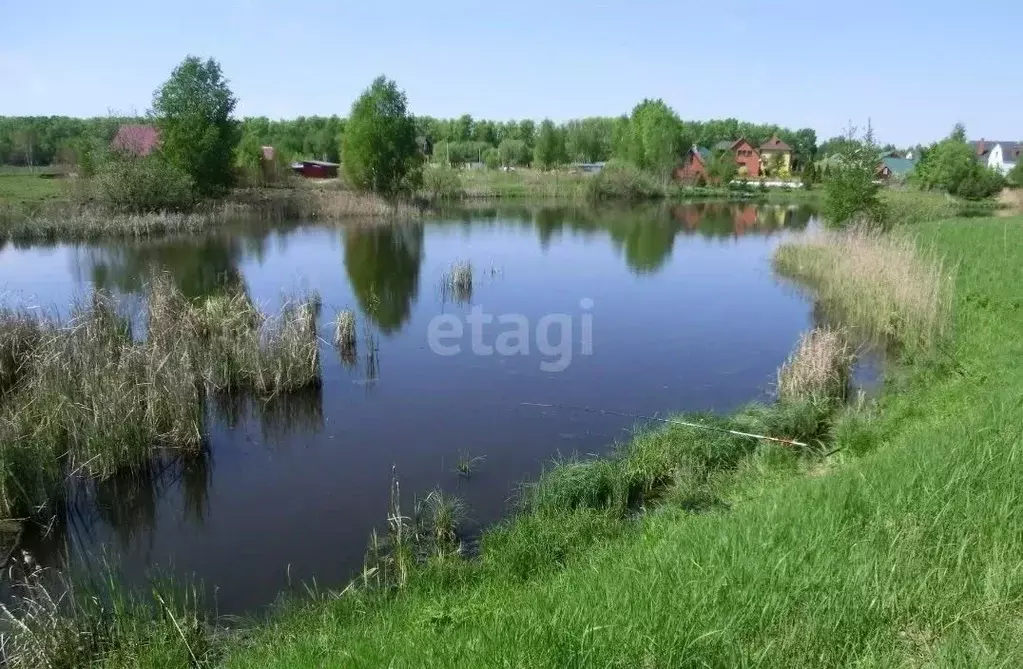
(86, 396)
(885, 284)
(818, 370)
(458, 282)
(52, 622)
(65, 219)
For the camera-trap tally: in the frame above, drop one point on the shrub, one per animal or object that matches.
(979, 183)
(621, 180)
(441, 183)
(132, 184)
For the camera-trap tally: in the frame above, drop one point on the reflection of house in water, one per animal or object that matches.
(744, 218)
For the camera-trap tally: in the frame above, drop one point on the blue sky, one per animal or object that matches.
(914, 67)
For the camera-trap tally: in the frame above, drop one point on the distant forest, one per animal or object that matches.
(57, 140)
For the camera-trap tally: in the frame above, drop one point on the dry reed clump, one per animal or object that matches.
(89, 398)
(880, 282)
(20, 334)
(67, 220)
(345, 336)
(818, 370)
(459, 281)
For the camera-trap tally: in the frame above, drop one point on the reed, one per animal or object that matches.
(87, 397)
(882, 283)
(818, 370)
(458, 282)
(345, 336)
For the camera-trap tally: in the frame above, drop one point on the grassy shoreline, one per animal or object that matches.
(896, 550)
(892, 547)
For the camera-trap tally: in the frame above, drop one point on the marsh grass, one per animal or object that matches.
(458, 282)
(87, 397)
(54, 622)
(80, 219)
(883, 284)
(346, 337)
(466, 464)
(818, 370)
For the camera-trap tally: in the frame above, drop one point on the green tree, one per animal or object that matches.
(850, 191)
(379, 148)
(653, 140)
(193, 111)
(550, 146)
(722, 168)
(1015, 176)
(492, 158)
(948, 163)
(513, 152)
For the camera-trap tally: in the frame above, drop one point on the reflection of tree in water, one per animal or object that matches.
(198, 267)
(383, 264)
(647, 240)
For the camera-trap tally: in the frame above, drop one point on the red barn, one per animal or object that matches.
(315, 169)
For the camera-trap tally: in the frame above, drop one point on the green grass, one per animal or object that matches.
(27, 189)
(899, 550)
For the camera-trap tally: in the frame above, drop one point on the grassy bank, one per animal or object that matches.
(893, 545)
(85, 397)
(897, 550)
(34, 208)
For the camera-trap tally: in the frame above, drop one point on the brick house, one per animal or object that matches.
(694, 165)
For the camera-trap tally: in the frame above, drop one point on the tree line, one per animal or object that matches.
(652, 136)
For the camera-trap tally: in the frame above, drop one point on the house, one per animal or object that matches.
(315, 169)
(138, 140)
(776, 154)
(748, 158)
(890, 166)
(694, 165)
(695, 162)
(1001, 156)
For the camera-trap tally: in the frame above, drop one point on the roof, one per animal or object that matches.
(899, 166)
(137, 139)
(703, 151)
(724, 145)
(775, 144)
(1010, 150)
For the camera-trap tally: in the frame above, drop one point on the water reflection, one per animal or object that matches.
(383, 263)
(292, 488)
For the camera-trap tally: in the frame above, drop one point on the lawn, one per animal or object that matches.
(901, 550)
(24, 188)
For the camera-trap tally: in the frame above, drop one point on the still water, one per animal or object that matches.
(642, 311)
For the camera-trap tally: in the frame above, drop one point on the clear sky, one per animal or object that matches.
(914, 67)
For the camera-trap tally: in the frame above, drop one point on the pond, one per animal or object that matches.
(641, 311)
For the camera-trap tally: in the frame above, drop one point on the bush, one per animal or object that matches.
(623, 181)
(134, 184)
(442, 183)
(979, 183)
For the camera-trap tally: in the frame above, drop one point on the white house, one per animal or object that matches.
(1001, 156)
